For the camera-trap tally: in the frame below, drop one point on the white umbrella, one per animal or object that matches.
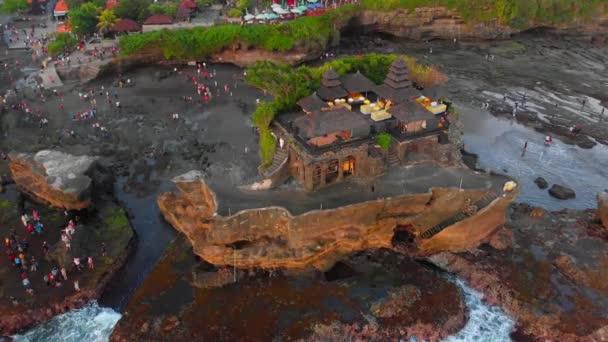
(280, 10)
(248, 17)
(261, 16)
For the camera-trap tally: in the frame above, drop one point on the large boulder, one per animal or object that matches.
(602, 208)
(561, 192)
(58, 179)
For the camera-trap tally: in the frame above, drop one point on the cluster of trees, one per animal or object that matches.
(12, 6)
(63, 43)
(196, 43)
(288, 84)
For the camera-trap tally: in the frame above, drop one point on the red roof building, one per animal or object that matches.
(111, 3)
(190, 4)
(125, 25)
(159, 19)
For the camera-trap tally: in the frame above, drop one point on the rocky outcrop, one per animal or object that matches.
(111, 227)
(273, 238)
(429, 23)
(561, 192)
(404, 308)
(55, 178)
(549, 277)
(541, 183)
(602, 208)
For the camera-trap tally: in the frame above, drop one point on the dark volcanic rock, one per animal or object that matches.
(561, 192)
(541, 183)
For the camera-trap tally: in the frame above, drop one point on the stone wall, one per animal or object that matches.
(427, 150)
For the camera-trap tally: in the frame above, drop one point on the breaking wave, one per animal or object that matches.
(92, 323)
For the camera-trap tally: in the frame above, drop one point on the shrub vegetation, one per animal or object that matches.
(64, 42)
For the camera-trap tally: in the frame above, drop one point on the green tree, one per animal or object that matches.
(12, 6)
(243, 4)
(84, 19)
(268, 147)
(264, 114)
(166, 9)
(63, 42)
(106, 20)
(204, 3)
(384, 140)
(132, 9)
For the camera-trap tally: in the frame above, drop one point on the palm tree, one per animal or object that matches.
(106, 19)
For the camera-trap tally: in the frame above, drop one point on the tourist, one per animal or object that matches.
(33, 264)
(38, 227)
(526, 145)
(548, 140)
(77, 263)
(90, 263)
(76, 286)
(104, 251)
(45, 247)
(24, 219)
(64, 273)
(35, 215)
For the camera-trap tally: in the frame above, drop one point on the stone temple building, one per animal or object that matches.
(334, 136)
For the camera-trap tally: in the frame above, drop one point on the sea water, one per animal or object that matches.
(95, 324)
(92, 323)
(486, 322)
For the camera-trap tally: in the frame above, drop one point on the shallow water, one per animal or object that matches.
(499, 144)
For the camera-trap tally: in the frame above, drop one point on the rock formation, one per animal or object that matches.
(55, 178)
(561, 192)
(272, 237)
(550, 278)
(602, 208)
(541, 183)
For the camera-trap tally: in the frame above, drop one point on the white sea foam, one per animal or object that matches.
(92, 323)
(486, 322)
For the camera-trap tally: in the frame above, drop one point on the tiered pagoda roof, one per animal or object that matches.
(397, 87)
(331, 86)
(398, 75)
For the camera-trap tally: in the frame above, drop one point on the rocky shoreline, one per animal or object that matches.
(102, 232)
(545, 270)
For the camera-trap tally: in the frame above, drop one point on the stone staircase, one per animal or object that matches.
(393, 159)
(279, 157)
(480, 204)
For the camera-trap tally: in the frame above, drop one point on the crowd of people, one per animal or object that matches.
(20, 253)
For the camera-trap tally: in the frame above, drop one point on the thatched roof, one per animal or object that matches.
(312, 103)
(396, 95)
(321, 123)
(330, 79)
(125, 25)
(331, 93)
(399, 65)
(410, 111)
(357, 83)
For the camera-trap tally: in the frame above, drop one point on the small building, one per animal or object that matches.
(125, 25)
(61, 10)
(158, 19)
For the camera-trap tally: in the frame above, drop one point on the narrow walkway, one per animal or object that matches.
(480, 204)
(279, 157)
